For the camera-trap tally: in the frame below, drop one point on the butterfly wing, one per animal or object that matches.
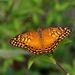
(52, 36)
(29, 40)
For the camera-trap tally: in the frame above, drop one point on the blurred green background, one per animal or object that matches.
(17, 16)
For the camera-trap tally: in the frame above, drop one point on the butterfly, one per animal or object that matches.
(41, 41)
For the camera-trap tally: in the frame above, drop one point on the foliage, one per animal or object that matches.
(17, 16)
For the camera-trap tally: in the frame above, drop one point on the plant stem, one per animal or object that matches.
(60, 66)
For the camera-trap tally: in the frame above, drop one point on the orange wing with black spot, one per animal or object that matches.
(30, 40)
(52, 36)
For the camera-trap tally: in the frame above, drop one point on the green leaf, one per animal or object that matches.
(6, 64)
(50, 18)
(38, 1)
(31, 61)
(19, 58)
(74, 63)
(64, 6)
(40, 11)
(11, 53)
(35, 18)
(58, 18)
(47, 58)
(73, 2)
(65, 41)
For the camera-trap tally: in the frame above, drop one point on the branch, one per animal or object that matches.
(60, 66)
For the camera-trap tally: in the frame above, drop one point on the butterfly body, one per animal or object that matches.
(41, 41)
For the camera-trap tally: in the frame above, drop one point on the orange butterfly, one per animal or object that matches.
(42, 41)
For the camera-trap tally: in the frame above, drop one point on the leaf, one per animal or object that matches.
(58, 18)
(73, 2)
(74, 63)
(31, 61)
(40, 11)
(6, 64)
(35, 18)
(64, 6)
(65, 41)
(50, 18)
(47, 58)
(39, 2)
(19, 58)
(11, 53)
